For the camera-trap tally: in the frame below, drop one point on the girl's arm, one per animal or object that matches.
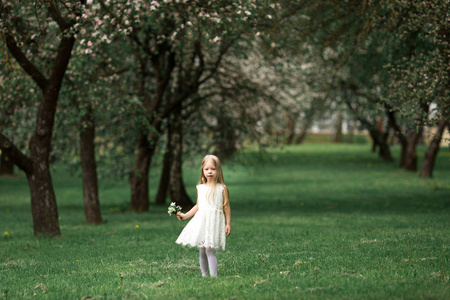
(190, 213)
(227, 211)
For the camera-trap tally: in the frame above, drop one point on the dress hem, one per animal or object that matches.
(198, 246)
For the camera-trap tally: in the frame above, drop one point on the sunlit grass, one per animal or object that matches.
(309, 221)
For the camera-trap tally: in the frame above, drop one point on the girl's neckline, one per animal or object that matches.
(208, 185)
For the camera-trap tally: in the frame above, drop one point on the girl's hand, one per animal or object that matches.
(227, 230)
(180, 216)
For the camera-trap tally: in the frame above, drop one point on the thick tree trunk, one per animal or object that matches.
(139, 175)
(403, 151)
(410, 152)
(36, 167)
(165, 177)
(430, 155)
(43, 202)
(374, 145)
(6, 164)
(89, 169)
(225, 138)
(176, 188)
(409, 140)
(301, 136)
(380, 139)
(385, 151)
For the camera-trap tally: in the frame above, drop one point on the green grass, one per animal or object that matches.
(310, 221)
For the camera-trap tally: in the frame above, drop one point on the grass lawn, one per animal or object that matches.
(309, 222)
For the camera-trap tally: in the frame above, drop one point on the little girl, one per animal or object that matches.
(207, 229)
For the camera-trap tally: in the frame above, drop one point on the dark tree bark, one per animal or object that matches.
(301, 136)
(409, 155)
(89, 168)
(43, 202)
(159, 106)
(306, 124)
(408, 140)
(162, 63)
(176, 188)
(225, 137)
(139, 175)
(6, 165)
(165, 177)
(290, 128)
(374, 144)
(379, 138)
(430, 155)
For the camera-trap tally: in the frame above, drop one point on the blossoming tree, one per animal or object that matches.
(40, 38)
(178, 46)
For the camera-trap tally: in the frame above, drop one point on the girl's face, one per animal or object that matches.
(209, 171)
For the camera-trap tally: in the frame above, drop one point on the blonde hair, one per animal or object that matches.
(217, 179)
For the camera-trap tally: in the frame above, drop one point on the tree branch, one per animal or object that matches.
(223, 51)
(56, 15)
(16, 156)
(25, 63)
(62, 60)
(393, 122)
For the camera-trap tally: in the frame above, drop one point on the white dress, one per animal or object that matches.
(207, 227)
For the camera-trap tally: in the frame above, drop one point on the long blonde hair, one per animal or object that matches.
(217, 179)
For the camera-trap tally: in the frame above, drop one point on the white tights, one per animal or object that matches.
(208, 258)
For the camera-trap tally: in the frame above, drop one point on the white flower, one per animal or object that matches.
(173, 209)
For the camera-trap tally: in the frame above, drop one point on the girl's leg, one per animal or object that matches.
(212, 262)
(203, 262)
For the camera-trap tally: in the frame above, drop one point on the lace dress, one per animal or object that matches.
(207, 227)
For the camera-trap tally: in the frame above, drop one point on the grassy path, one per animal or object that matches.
(309, 222)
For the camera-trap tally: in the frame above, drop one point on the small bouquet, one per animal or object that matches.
(173, 209)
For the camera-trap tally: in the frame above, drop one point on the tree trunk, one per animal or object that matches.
(301, 136)
(385, 151)
(290, 129)
(225, 136)
(306, 123)
(139, 175)
(6, 164)
(43, 202)
(176, 188)
(337, 135)
(403, 151)
(409, 140)
(374, 144)
(89, 169)
(165, 177)
(410, 151)
(380, 139)
(351, 131)
(430, 155)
